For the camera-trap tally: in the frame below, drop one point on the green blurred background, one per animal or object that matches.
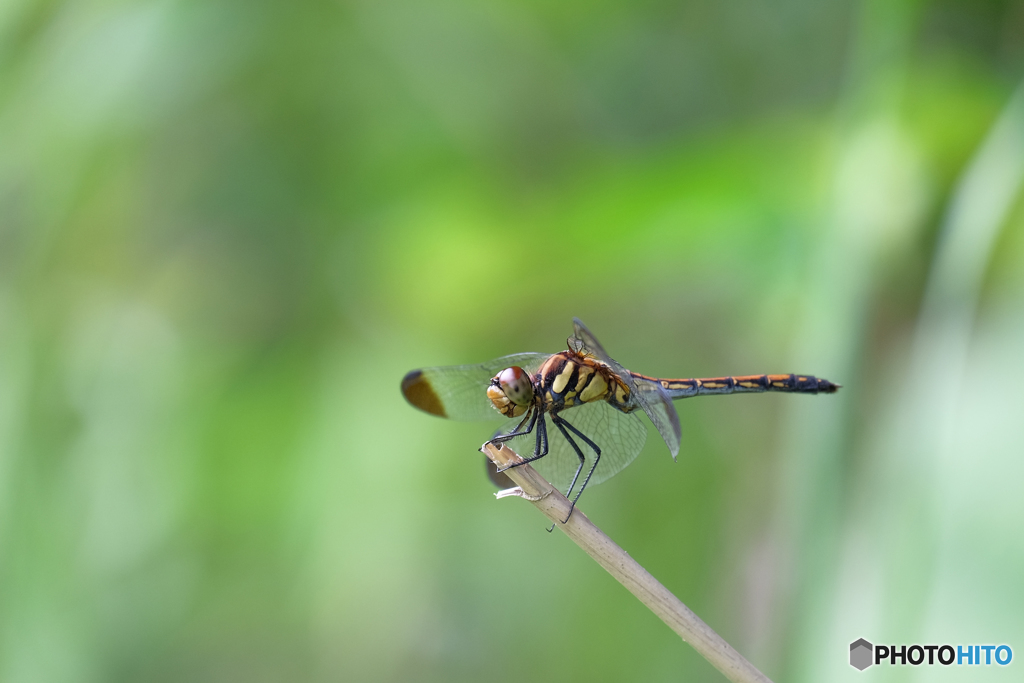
(227, 229)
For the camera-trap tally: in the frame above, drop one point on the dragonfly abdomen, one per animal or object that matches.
(799, 384)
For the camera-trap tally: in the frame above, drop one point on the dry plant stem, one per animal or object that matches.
(628, 572)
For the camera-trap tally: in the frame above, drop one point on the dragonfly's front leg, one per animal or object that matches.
(531, 415)
(541, 447)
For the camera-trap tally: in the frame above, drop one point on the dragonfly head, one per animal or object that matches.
(511, 391)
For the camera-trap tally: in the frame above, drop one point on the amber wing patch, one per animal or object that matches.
(417, 391)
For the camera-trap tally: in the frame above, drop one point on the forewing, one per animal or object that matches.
(459, 392)
(620, 436)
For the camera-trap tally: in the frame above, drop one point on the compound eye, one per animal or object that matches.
(517, 385)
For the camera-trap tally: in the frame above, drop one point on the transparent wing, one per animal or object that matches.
(620, 436)
(650, 396)
(459, 392)
(656, 402)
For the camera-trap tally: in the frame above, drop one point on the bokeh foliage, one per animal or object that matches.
(227, 229)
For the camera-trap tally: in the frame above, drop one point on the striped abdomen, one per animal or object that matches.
(685, 388)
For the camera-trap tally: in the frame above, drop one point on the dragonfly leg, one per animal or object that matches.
(541, 448)
(579, 454)
(563, 426)
(538, 451)
(518, 431)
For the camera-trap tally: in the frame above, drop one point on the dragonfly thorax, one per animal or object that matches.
(571, 378)
(511, 391)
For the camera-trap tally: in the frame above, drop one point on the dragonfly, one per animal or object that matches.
(592, 401)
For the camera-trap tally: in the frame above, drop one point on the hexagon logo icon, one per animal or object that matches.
(860, 654)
